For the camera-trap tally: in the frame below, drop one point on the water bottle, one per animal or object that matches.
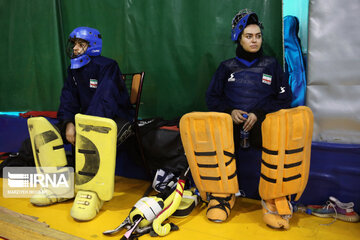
(244, 136)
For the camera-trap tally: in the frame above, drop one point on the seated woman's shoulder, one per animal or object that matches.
(101, 60)
(268, 60)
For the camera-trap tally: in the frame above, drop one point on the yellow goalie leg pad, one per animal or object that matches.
(46, 143)
(95, 155)
(95, 164)
(208, 142)
(49, 157)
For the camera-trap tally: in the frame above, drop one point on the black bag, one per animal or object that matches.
(162, 145)
(24, 158)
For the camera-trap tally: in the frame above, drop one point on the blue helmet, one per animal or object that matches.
(92, 37)
(241, 20)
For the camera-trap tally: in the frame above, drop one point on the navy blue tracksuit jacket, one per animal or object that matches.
(95, 89)
(249, 86)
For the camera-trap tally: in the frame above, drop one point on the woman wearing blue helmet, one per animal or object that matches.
(93, 85)
(248, 86)
(95, 92)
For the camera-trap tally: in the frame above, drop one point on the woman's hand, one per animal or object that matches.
(70, 133)
(249, 123)
(237, 116)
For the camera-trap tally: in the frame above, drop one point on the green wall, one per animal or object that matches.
(178, 43)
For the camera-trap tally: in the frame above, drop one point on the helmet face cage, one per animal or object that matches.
(241, 20)
(70, 47)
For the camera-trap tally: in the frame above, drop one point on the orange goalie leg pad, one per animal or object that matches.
(219, 207)
(272, 218)
(207, 138)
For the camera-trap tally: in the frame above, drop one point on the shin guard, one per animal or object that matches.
(95, 155)
(95, 165)
(46, 143)
(208, 142)
(49, 156)
(285, 162)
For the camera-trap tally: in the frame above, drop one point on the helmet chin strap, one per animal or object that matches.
(80, 61)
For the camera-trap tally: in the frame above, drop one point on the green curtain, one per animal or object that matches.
(178, 43)
(31, 53)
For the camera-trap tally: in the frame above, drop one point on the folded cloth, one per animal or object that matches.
(50, 114)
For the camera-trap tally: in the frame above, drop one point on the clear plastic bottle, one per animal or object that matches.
(244, 136)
